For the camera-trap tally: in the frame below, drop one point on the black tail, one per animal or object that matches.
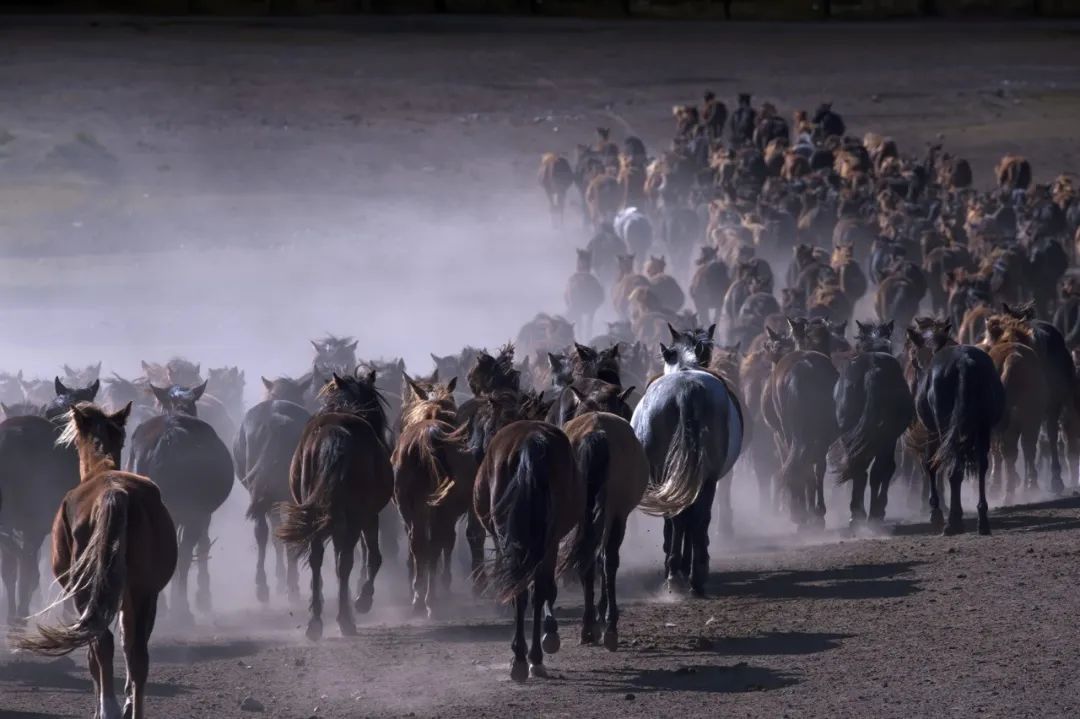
(593, 459)
(860, 442)
(523, 520)
(960, 441)
(99, 574)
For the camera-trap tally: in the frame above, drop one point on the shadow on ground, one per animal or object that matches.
(857, 581)
(65, 676)
(708, 678)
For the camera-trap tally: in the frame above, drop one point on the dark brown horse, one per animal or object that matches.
(433, 480)
(113, 551)
(194, 470)
(263, 452)
(34, 475)
(340, 479)
(528, 496)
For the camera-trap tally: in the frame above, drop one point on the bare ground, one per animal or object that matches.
(910, 625)
(212, 188)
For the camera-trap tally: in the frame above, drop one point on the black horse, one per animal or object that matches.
(960, 400)
(194, 470)
(873, 408)
(35, 475)
(263, 452)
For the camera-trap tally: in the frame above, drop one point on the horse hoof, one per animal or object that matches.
(419, 610)
(697, 592)
(363, 603)
(538, 671)
(550, 643)
(952, 529)
(937, 520)
(587, 638)
(611, 640)
(984, 528)
(519, 670)
(129, 709)
(347, 627)
(262, 593)
(314, 630)
(202, 602)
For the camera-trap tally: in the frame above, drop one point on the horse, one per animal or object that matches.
(960, 399)
(798, 406)
(709, 284)
(584, 294)
(262, 454)
(555, 177)
(873, 409)
(433, 480)
(678, 411)
(615, 470)
(528, 497)
(82, 377)
(227, 385)
(340, 479)
(113, 551)
(1010, 344)
(34, 475)
(194, 470)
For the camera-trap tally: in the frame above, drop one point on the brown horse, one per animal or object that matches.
(113, 551)
(615, 471)
(433, 478)
(340, 479)
(528, 496)
(1010, 344)
(556, 177)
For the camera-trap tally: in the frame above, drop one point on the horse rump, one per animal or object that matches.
(99, 575)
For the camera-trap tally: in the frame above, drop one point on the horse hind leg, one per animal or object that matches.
(181, 609)
(955, 524)
(102, 648)
(1029, 443)
(374, 562)
(262, 537)
(138, 623)
(519, 666)
(543, 587)
(698, 530)
(202, 562)
(724, 522)
(550, 641)
(881, 473)
(611, 569)
(475, 536)
(9, 568)
(315, 559)
(29, 574)
(984, 518)
(344, 547)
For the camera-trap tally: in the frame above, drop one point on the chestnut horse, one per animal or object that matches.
(433, 478)
(113, 550)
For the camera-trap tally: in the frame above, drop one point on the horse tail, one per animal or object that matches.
(858, 442)
(431, 451)
(959, 442)
(257, 506)
(99, 574)
(523, 520)
(593, 458)
(321, 472)
(683, 473)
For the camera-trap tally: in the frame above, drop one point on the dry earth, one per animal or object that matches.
(228, 189)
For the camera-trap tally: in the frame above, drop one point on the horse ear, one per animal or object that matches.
(452, 384)
(887, 328)
(863, 329)
(267, 383)
(711, 331)
(352, 345)
(625, 394)
(198, 368)
(316, 345)
(371, 377)
(68, 371)
(93, 388)
(553, 360)
(197, 392)
(335, 379)
(121, 417)
(59, 387)
(160, 393)
(737, 347)
(5, 409)
(914, 337)
(416, 389)
(674, 333)
(78, 416)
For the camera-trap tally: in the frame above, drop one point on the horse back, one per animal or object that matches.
(342, 458)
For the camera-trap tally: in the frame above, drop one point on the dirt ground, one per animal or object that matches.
(227, 190)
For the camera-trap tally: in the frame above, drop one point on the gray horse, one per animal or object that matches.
(691, 426)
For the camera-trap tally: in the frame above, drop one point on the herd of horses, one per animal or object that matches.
(546, 446)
